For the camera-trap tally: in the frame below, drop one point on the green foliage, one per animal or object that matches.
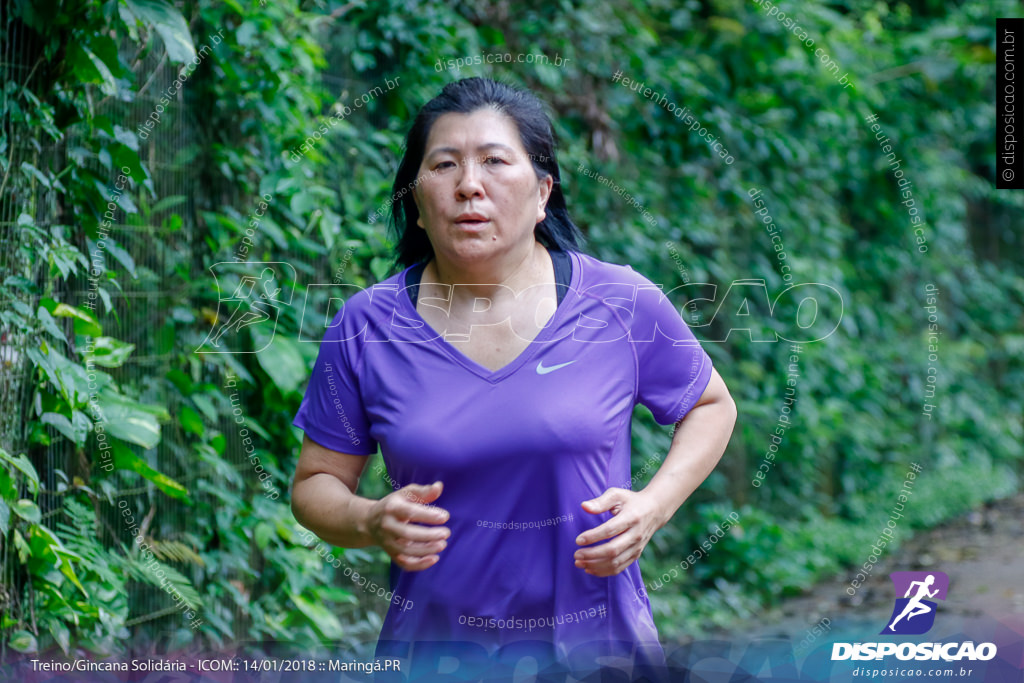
(257, 100)
(69, 576)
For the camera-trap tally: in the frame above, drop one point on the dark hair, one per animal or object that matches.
(556, 231)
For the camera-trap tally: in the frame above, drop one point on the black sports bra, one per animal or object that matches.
(560, 259)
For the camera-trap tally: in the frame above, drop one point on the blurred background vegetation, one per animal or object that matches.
(79, 79)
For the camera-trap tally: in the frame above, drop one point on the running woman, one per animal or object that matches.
(497, 373)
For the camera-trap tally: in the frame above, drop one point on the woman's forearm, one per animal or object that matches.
(697, 446)
(327, 506)
(405, 523)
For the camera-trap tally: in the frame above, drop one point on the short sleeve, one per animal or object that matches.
(672, 368)
(332, 412)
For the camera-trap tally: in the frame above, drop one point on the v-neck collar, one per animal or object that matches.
(468, 363)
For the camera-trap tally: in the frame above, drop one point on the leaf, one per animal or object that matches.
(338, 594)
(107, 303)
(66, 259)
(248, 34)
(23, 641)
(169, 202)
(23, 465)
(175, 551)
(69, 377)
(129, 20)
(283, 361)
(109, 352)
(124, 157)
(61, 633)
(133, 422)
(24, 552)
(206, 407)
(330, 225)
(169, 23)
(64, 556)
(126, 459)
(49, 324)
(323, 619)
(100, 72)
(5, 517)
(81, 540)
(21, 283)
(257, 428)
(50, 362)
(76, 429)
(81, 423)
(28, 511)
(123, 257)
(191, 422)
(64, 310)
(21, 307)
(8, 485)
(43, 360)
(127, 138)
(379, 267)
(35, 172)
(263, 534)
(139, 565)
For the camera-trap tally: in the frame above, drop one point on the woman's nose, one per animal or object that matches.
(469, 182)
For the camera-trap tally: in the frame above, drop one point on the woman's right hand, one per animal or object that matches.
(397, 522)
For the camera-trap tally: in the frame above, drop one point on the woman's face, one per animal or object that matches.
(478, 195)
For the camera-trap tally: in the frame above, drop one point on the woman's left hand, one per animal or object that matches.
(635, 521)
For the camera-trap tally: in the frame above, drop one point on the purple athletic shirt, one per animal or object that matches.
(518, 450)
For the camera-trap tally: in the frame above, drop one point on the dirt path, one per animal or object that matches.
(982, 552)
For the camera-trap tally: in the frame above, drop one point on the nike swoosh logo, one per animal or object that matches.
(541, 370)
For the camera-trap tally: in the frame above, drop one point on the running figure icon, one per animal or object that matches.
(256, 299)
(915, 606)
(257, 308)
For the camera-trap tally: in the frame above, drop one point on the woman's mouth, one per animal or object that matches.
(472, 221)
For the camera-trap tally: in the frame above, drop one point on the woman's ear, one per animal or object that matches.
(544, 185)
(419, 211)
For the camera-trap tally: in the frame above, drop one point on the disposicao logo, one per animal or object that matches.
(914, 614)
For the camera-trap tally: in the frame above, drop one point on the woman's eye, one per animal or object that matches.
(444, 164)
(494, 160)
